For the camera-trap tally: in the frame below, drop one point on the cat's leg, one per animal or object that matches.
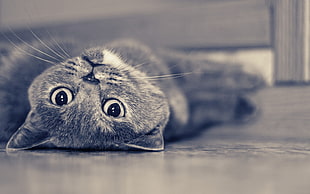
(179, 114)
(208, 109)
(216, 93)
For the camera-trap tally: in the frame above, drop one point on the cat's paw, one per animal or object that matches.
(246, 109)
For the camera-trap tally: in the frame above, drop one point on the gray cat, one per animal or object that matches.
(120, 96)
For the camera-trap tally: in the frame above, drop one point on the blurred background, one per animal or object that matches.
(232, 31)
(195, 23)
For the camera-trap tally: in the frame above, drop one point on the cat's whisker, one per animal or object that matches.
(173, 75)
(28, 26)
(24, 51)
(139, 65)
(167, 76)
(43, 43)
(29, 45)
(123, 67)
(164, 78)
(58, 45)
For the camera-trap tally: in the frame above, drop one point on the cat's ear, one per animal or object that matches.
(152, 141)
(25, 138)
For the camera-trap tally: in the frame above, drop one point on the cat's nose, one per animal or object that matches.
(90, 77)
(92, 61)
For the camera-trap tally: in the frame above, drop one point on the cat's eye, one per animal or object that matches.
(61, 96)
(113, 108)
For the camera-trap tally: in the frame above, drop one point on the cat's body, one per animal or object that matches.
(119, 96)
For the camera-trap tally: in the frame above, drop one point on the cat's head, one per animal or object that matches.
(93, 101)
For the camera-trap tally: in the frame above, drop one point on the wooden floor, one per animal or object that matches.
(271, 155)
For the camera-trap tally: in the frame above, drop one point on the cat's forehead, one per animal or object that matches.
(101, 56)
(111, 58)
(98, 58)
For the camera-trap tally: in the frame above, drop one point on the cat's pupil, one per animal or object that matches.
(61, 98)
(114, 110)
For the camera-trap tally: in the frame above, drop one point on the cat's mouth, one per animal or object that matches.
(90, 78)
